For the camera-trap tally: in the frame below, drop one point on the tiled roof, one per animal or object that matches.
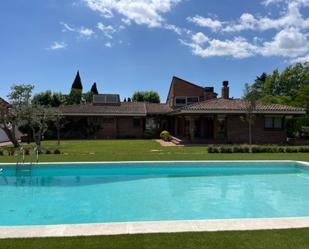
(237, 105)
(125, 108)
(3, 103)
(157, 108)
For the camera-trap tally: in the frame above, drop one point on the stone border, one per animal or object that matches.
(119, 228)
(172, 161)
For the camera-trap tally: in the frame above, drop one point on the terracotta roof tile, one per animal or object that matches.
(153, 108)
(125, 108)
(3, 103)
(236, 105)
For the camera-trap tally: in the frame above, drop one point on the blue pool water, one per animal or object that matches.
(91, 193)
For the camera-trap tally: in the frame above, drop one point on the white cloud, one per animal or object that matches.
(108, 30)
(108, 45)
(174, 28)
(301, 59)
(84, 32)
(288, 43)
(199, 38)
(58, 45)
(147, 12)
(239, 47)
(205, 22)
(290, 17)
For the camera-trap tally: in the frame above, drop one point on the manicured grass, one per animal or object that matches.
(275, 239)
(143, 150)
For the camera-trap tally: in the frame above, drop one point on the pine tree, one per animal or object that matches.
(75, 96)
(94, 89)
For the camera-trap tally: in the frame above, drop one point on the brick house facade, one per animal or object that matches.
(191, 112)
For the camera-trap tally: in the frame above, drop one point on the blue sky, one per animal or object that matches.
(129, 45)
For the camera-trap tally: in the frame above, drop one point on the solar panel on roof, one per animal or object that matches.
(106, 99)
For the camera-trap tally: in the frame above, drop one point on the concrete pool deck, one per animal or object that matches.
(152, 227)
(118, 228)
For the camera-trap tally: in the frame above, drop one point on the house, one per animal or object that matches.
(191, 113)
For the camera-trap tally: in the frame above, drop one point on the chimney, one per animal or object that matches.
(225, 90)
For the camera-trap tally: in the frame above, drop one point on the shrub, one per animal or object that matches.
(240, 149)
(27, 151)
(226, 149)
(212, 149)
(11, 151)
(149, 134)
(57, 151)
(1, 153)
(281, 150)
(47, 152)
(166, 136)
(291, 150)
(303, 149)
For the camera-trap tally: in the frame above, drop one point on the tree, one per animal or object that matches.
(251, 96)
(48, 98)
(94, 89)
(77, 83)
(75, 96)
(148, 96)
(12, 118)
(59, 123)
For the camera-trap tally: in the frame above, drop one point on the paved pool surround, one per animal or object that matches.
(118, 228)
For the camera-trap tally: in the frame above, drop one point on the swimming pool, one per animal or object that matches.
(152, 191)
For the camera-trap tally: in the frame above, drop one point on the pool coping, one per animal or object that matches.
(122, 228)
(118, 228)
(171, 161)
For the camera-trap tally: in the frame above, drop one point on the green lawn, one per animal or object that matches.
(143, 150)
(276, 239)
(134, 150)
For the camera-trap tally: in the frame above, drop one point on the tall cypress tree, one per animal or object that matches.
(94, 89)
(75, 96)
(77, 83)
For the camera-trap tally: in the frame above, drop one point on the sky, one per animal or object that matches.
(130, 45)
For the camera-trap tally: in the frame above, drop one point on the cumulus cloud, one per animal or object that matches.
(288, 42)
(146, 12)
(301, 59)
(58, 45)
(238, 47)
(206, 22)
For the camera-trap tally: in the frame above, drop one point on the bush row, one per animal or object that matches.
(13, 152)
(257, 149)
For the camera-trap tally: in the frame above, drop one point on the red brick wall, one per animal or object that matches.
(181, 89)
(237, 131)
(126, 129)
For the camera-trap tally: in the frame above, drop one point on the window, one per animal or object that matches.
(136, 122)
(185, 100)
(180, 101)
(273, 123)
(191, 100)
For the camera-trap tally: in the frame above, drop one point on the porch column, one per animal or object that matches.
(191, 128)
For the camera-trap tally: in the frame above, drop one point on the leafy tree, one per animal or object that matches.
(48, 98)
(11, 118)
(94, 89)
(149, 96)
(75, 97)
(87, 97)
